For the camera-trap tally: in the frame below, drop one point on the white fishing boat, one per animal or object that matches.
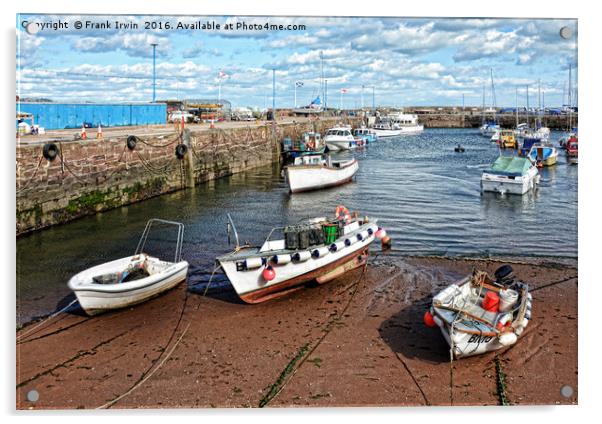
(317, 249)
(314, 172)
(479, 314)
(340, 138)
(510, 175)
(131, 280)
(397, 124)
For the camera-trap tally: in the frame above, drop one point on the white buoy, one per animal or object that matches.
(507, 339)
(335, 247)
(302, 256)
(253, 263)
(281, 259)
(318, 253)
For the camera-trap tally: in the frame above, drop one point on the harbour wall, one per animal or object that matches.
(457, 120)
(90, 176)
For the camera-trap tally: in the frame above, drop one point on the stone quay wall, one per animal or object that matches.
(90, 176)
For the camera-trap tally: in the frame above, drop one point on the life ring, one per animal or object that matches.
(342, 212)
(50, 151)
(311, 145)
(131, 142)
(181, 150)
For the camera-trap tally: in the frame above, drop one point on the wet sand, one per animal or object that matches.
(356, 341)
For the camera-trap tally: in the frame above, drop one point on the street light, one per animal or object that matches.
(154, 70)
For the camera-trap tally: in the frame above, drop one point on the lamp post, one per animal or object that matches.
(154, 70)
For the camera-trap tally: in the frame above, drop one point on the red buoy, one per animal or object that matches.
(429, 321)
(491, 302)
(268, 273)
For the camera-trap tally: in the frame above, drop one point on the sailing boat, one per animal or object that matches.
(315, 106)
(489, 127)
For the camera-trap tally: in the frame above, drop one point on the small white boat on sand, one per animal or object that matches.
(317, 249)
(340, 138)
(314, 172)
(131, 280)
(510, 175)
(479, 314)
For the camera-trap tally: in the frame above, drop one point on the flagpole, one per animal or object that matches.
(295, 94)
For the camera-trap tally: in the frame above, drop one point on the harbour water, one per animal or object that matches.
(426, 196)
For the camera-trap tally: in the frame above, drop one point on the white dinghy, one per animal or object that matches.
(317, 249)
(131, 280)
(478, 315)
(314, 172)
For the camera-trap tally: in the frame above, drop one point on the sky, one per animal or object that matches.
(404, 61)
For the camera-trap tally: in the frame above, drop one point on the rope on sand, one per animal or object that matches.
(44, 321)
(149, 375)
(308, 353)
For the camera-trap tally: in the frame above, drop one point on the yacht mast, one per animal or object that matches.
(516, 107)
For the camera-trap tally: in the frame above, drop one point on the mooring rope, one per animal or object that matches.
(149, 375)
(24, 186)
(45, 320)
(329, 327)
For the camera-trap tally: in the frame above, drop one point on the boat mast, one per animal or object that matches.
(483, 109)
(570, 100)
(493, 101)
(528, 111)
(322, 74)
(516, 107)
(538, 103)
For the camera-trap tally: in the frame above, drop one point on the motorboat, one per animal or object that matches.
(314, 172)
(397, 124)
(572, 149)
(340, 138)
(543, 154)
(368, 135)
(488, 129)
(130, 280)
(480, 314)
(317, 249)
(510, 175)
(507, 139)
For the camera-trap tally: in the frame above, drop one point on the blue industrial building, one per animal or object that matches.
(55, 116)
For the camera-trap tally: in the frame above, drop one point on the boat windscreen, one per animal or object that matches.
(511, 165)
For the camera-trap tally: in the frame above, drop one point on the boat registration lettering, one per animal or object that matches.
(480, 339)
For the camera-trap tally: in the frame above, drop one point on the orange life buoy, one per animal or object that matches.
(342, 211)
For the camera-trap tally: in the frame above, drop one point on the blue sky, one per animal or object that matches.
(408, 61)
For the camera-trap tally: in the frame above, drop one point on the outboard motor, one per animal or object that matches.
(504, 276)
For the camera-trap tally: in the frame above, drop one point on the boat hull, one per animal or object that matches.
(251, 286)
(509, 185)
(97, 298)
(409, 130)
(311, 177)
(322, 276)
(337, 145)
